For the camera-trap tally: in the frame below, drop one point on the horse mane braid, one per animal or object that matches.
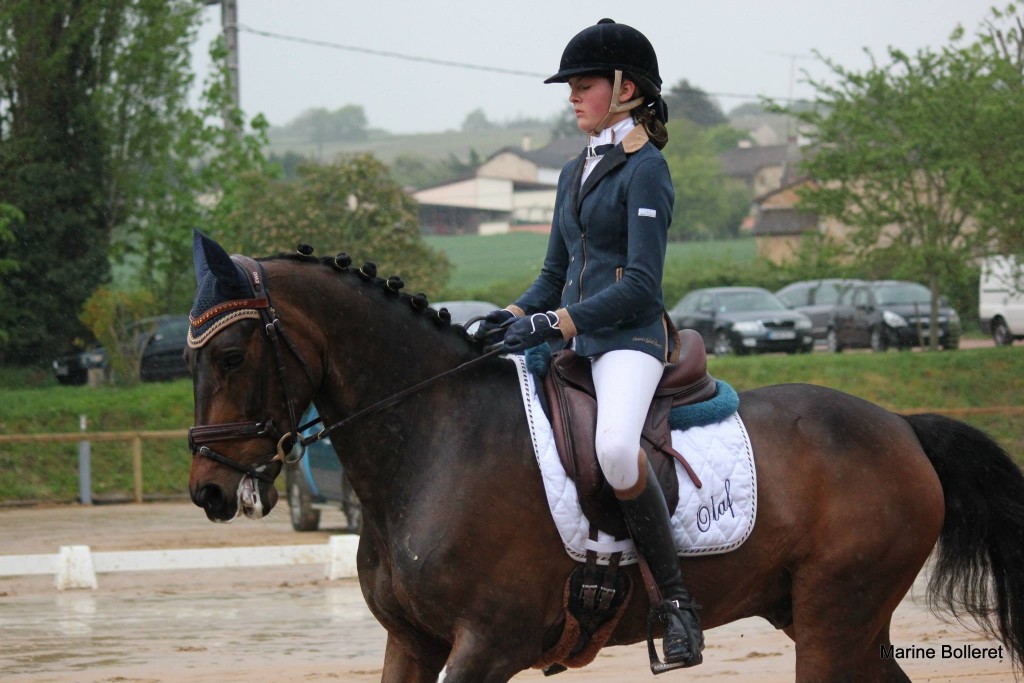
(367, 274)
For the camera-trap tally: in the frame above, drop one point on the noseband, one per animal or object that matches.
(290, 448)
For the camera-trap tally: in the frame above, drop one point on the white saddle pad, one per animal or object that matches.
(715, 518)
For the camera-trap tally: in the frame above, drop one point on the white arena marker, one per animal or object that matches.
(74, 568)
(341, 563)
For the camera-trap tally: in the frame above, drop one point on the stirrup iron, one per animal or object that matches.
(657, 614)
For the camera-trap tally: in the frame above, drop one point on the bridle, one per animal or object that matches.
(290, 446)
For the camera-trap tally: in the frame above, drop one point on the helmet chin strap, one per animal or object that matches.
(616, 107)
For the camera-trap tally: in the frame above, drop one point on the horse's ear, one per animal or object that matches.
(199, 254)
(210, 257)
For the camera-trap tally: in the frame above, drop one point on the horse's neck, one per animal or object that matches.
(374, 346)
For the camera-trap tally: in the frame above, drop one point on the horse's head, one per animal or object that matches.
(251, 383)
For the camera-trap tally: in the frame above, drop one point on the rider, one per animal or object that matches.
(600, 287)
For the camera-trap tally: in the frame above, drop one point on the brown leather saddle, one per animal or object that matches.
(569, 389)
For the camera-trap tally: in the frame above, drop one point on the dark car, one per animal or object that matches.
(890, 313)
(163, 341)
(73, 368)
(317, 482)
(817, 300)
(743, 320)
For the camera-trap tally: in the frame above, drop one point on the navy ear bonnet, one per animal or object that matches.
(224, 293)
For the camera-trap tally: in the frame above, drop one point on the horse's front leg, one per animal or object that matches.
(403, 666)
(483, 658)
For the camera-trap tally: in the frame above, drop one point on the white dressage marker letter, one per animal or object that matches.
(74, 568)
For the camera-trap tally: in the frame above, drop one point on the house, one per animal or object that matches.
(483, 206)
(780, 225)
(762, 169)
(514, 189)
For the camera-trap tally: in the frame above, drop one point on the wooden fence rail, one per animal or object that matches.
(135, 437)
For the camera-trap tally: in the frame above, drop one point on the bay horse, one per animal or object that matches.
(459, 558)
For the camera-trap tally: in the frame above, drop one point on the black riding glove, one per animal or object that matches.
(492, 322)
(532, 330)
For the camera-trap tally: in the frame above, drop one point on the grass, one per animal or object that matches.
(49, 471)
(498, 268)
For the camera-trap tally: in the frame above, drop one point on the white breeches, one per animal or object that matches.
(625, 382)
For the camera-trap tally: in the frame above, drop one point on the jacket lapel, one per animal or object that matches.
(618, 155)
(574, 182)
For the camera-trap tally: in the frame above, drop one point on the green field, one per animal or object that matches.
(499, 267)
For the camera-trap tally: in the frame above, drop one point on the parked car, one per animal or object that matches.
(318, 482)
(73, 368)
(817, 300)
(889, 313)
(743, 320)
(1001, 299)
(163, 341)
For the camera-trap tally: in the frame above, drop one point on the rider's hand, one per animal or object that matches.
(532, 330)
(492, 322)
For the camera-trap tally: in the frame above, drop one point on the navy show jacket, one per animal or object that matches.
(606, 251)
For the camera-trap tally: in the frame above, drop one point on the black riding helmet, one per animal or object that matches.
(608, 47)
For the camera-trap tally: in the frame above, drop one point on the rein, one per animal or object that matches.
(391, 400)
(290, 446)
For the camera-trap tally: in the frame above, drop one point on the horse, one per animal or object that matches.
(459, 558)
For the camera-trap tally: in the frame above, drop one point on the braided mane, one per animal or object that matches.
(390, 287)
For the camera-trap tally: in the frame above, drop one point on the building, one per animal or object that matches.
(514, 189)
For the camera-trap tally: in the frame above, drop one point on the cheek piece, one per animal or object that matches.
(616, 107)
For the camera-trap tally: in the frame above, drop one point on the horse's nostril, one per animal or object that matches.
(210, 498)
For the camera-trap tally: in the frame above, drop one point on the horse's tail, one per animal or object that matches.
(979, 569)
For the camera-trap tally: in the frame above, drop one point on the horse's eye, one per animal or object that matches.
(232, 360)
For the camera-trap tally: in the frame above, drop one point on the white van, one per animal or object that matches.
(1001, 299)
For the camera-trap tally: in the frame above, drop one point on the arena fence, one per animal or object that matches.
(76, 566)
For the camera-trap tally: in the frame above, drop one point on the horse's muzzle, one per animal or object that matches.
(218, 506)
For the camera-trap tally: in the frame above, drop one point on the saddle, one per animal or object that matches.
(569, 390)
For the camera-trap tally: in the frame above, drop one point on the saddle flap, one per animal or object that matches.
(569, 388)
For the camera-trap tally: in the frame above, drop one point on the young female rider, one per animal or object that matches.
(600, 286)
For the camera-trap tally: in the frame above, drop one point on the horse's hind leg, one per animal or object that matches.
(841, 616)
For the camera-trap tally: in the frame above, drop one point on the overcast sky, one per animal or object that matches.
(734, 49)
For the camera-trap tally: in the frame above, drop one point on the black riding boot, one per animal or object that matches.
(648, 520)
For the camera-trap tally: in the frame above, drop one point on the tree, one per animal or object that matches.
(111, 315)
(564, 125)
(892, 159)
(476, 120)
(320, 125)
(214, 164)
(998, 139)
(351, 205)
(691, 103)
(88, 91)
(707, 205)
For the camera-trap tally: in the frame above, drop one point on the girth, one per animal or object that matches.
(569, 389)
